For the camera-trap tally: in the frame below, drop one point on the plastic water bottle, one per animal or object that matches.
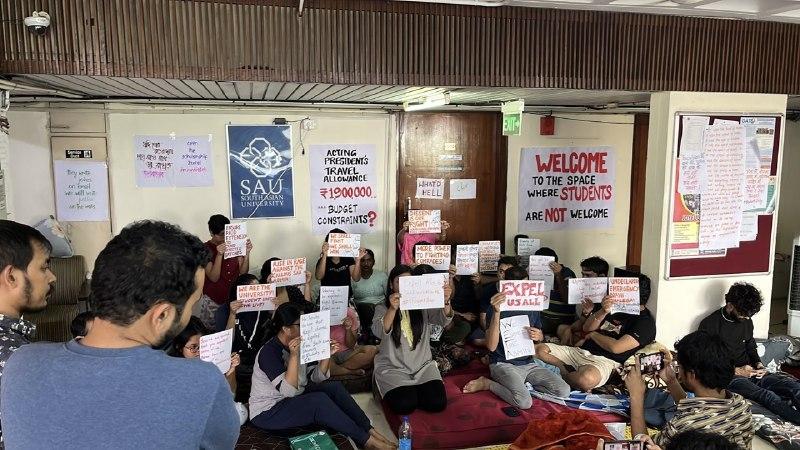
(404, 435)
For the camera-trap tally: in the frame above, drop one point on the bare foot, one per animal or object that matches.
(374, 443)
(477, 385)
(374, 433)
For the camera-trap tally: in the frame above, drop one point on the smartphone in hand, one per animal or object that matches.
(651, 363)
(623, 445)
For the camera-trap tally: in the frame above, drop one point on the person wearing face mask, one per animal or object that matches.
(26, 283)
(778, 392)
(114, 388)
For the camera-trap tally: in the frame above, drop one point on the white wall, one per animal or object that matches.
(29, 187)
(680, 304)
(789, 216)
(574, 246)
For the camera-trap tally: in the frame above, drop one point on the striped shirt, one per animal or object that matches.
(729, 417)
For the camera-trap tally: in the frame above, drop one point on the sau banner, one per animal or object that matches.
(260, 166)
(344, 190)
(565, 188)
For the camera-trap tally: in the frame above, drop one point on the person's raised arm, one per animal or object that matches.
(391, 311)
(595, 319)
(617, 346)
(636, 387)
(560, 281)
(307, 287)
(325, 364)
(230, 375)
(244, 262)
(401, 235)
(355, 269)
(675, 389)
(493, 327)
(350, 339)
(442, 237)
(322, 262)
(293, 365)
(234, 308)
(214, 268)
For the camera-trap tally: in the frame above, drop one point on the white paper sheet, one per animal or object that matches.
(524, 295)
(216, 348)
(516, 341)
(315, 329)
(334, 299)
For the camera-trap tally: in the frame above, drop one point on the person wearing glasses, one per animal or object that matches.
(187, 345)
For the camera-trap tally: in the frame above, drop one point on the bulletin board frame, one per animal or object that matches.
(751, 257)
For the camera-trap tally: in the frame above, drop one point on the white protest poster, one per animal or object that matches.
(256, 297)
(81, 190)
(721, 205)
(430, 188)
(315, 329)
(154, 158)
(344, 245)
(235, 240)
(216, 348)
(539, 269)
(592, 288)
(467, 259)
(193, 163)
(422, 292)
(344, 188)
(489, 254)
(423, 221)
(693, 178)
(692, 136)
(528, 246)
(566, 188)
(463, 189)
(524, 295)
(436, 256)
(334, 299)
(288, 272)
(749, 227)
(625, 294)
(514, 333)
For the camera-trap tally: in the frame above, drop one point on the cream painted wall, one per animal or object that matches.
(789, 216)
(29, 187)
(680, 304)
(574, 246)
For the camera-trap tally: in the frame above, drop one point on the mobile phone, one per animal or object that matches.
(510, 411)
(623, 445)
(651, 363)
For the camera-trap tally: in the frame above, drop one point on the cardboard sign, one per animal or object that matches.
(334, 299)
(516, 341)
(592, 288)
(315, 329)
(489, 253)
(524, 295)
(216, 348)
(289, 272)
(422, 291)
(539, 269)
(424, 221)
(467, 259)
(437, 256)
(528, 246)
(430, 188)
(625, 293)
(256, 297)
(235, 240)
(344, 245)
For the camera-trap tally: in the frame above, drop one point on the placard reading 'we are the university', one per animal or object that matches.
(256, 297)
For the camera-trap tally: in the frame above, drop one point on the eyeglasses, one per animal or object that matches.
(194, 348)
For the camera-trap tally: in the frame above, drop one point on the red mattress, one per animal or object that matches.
(474, 420)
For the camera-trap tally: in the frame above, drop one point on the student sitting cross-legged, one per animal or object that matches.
(508, 376)
(286, 394)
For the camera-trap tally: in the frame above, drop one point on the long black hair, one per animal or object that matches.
(266, 269)
(193, 328)
(286, 315)
(416, 317)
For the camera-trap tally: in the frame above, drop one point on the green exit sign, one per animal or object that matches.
(512, 124)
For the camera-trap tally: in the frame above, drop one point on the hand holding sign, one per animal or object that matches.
(216, 348)
(489, 254)
(334, 299)
(582, 288)
(288, 272)
(422, 221)
(466, 259)
(624, 292)
(422, 291)
(256, 297)
(235, 240)
(344, 245)
(437, 256)
(315, 331)
(516, 340)
(524, 295)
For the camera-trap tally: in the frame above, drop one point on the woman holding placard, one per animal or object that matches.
(285, 294)
(406, 376)
(187, 345)
(336, 270)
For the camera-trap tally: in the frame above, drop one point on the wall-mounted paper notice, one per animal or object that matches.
(466, 259)
(539, 269)
(154, 161)
(430, 188)
(528, 246)
(489, 253)
(693, 132)
(334, 299)
(216, 348)
(437, 256)
(463, 189)
(193, 164)
(235, 240)
(625, 293)
(256, 297)
(344, 245)
(422, 291)
(524, 295)
(422, 221)
(81, 191)
(315, 329)
(692, 177)
(749, 227)
(592, 288)
(516, 341)
(289, 272)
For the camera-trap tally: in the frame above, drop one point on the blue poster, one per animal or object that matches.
(260, 168)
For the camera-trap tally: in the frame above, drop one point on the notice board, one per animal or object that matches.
(706, 151)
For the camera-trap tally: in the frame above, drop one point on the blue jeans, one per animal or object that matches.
(778, 392)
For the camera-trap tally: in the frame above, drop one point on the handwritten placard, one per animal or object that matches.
(539, 269)
(256, 297)
(516, 341)
(193, 165)
(235, 240)
(437, 256)
(528, 246)
(81, 191)
(467, 259)
(422, 291)
(315, 329)
(524, 295)
(422, 221)
(154, 161)
(289, 272)
(592, 288)
(463, 189)
(344, 245)
(489, 254)
(625, 294)
(216, 348)
(334, 299)
(430, 188)
(692, 178)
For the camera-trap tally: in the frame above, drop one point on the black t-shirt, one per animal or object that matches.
(641, 327)
(337, 274)
(737, 336)
(464, 298)
(487, 292)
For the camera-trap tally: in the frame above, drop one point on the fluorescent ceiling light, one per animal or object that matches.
(431, 101)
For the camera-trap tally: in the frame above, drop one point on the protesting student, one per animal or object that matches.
(610, 340)
(286, 394)
(466, 308)
(516, 244)
(592, 267)
(113, 389)
(337, 271)
(509, 376)
(187, 345)
(406, 241)
(405, 374)
(706, 369)
(285, 294)
(560, 312)
(779, 392)
(352, 358)
(488, 291)
(368, 292)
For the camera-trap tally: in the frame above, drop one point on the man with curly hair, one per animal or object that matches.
(778, 392)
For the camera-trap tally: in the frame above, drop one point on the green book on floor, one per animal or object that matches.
(313, 441)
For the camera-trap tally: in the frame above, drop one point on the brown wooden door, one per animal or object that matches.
(641, 126)
(456, 146)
